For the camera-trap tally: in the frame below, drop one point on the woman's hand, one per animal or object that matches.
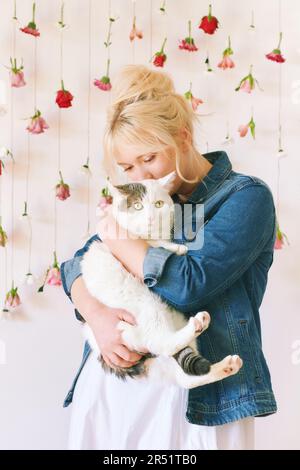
(113, 350)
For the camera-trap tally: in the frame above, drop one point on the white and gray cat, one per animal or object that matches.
(145, 208)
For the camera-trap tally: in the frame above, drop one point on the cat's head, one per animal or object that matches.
(145, 207)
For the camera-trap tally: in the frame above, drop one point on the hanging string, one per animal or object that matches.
(89, 113)
(108, 48)
(279, 114)
(26, 204)
(61, 72)
(133, 42)
(151, 29)
(13, 159)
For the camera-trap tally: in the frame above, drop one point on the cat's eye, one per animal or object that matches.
(159, 204)
(138, 205)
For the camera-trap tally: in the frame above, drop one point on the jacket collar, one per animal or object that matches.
(218, 173)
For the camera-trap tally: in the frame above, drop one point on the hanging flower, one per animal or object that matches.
(37, 124)
(252, 25)
(188, 43)
(227, 62)
(104, 82)
(104, 201)
(16, 74)
(31, 27)
(162, 8)
(12, 299)
(228, 139)
(160, 56)
(62, 189)
(276, 55)
(3, 236)
(24, 216)
(52, 277)
(29, 279)
(243, 129)
(209, 23)
(280, 238)
(85, 169)
(194, 101)
(64, 97)
(208, 66)
(4, 154)
(247, 84)
(135, 33)
(61, 22)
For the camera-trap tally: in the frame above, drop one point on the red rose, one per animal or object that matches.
(64, 97)
(209, 23)
(160, 57)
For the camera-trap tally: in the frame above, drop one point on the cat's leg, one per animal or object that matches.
(166, 344)
(230, 365)
(174, 341)
(177, 248)
(166, 369)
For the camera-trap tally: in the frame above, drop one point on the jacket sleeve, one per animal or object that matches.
(70, 270)
(233, 239)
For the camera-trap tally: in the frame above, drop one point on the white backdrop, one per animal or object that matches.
(41, 344)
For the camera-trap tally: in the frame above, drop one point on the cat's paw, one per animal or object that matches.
(202, 320)
(181, 250)
(230, 365)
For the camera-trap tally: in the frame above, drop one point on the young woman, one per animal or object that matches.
(150, 133)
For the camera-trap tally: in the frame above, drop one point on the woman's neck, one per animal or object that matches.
(203, 166)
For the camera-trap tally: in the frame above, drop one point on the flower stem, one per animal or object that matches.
(163, 45)
(62, 85)
(61, 178)
(209, 13)
(15, 10)
(107, 67)
(33, 12)
(190, 26)
(280, 39)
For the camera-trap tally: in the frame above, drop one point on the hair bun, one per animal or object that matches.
(138, 82)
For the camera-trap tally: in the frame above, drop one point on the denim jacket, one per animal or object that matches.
(226, 276)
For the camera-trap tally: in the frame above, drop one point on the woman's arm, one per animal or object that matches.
(103, 321)
(233, 239)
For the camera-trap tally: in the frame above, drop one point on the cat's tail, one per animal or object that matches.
(191, 362)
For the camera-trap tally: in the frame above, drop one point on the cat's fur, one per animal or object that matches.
(160, 329)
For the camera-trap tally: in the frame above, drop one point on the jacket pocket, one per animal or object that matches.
(250, 353)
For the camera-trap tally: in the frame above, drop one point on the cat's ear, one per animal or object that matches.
(167, 181)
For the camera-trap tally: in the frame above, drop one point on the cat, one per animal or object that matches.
(164, 332)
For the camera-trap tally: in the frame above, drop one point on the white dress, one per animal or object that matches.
(111, 414)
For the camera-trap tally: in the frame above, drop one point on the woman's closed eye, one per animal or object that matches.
(149, 159)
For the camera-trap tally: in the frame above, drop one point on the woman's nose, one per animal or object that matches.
(143, 176)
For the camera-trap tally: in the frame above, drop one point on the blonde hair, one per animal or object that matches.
(145, 112)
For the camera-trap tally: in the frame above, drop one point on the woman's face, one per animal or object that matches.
(151, 165)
